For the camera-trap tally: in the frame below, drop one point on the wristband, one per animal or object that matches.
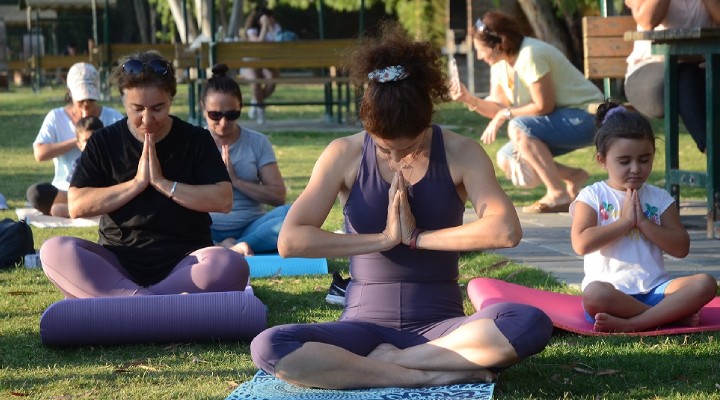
(414, 237)
(172, 190)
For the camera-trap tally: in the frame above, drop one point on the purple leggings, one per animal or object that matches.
(83, 269)
(527, 329)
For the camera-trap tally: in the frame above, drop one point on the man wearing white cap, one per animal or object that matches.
(57, 140)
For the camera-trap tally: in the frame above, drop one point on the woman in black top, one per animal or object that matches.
(153, 178)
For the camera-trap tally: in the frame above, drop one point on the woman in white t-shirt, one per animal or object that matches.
(261, 27)
(56, 139)
(544, 99)
(644, 80)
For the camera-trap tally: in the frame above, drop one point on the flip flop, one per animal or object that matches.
(544, 208)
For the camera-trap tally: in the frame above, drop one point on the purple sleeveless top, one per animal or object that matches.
(403, 284)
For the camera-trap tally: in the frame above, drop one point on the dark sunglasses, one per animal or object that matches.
(136, 67)
(231, 115)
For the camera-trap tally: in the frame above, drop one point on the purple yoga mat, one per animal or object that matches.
(153, 319)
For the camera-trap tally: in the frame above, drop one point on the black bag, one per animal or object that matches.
(16, 240)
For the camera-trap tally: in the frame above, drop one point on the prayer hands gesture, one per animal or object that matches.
(228, 162)
(400, 219)
(149, 172)
(632, 210)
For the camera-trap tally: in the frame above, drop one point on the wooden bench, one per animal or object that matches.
(606, 50)
(300, 62)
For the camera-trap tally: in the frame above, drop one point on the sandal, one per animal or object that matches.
(544, 208)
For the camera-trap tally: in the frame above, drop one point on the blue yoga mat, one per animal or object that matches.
(264, 386)
(262, 265)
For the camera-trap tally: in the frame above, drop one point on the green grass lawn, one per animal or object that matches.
(572, 367)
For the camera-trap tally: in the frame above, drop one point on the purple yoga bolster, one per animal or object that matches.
(153, 319)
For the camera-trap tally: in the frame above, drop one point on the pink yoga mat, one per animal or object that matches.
(566, 310)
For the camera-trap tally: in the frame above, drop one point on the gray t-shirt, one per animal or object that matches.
(248, 154)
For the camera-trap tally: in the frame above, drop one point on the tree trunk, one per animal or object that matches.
(176, 11)
(202, 14)
(541, 15)
(140, 7)
(236, 20)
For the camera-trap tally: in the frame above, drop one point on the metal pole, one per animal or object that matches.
(469, 54)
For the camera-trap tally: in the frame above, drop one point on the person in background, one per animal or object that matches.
(645, 76)
(83, 130)
(261, 27)
(57, 140)
(622, 226)
(544, 100)
(153, 179)
(253, 169)
(403, 184)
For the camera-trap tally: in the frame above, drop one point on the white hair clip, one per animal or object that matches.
(390, 73)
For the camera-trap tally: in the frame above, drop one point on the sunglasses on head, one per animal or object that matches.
(136, 67)
(231, 115)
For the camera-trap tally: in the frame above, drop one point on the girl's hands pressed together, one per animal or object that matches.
(628, 212)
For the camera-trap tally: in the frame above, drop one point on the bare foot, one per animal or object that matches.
(227, 243)
(439, 378)
(575, 182)
(242, 248)
(608, 323)
(383, 352)
(692, 320)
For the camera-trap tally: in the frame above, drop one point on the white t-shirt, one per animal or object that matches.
(680, 14)
(535, 60)
(58, 127)
(632, 264)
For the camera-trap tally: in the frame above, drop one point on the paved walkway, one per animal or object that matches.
(546, 245)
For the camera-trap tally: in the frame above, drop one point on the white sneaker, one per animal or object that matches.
(260, 113)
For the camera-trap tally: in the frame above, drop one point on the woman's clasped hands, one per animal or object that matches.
(149, 172)
(400, 219)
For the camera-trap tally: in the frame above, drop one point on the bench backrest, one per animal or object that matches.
(605, 47)
(293, 54)
(52, 62)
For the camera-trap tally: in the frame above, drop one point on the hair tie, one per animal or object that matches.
(613, 111)
(391, 73)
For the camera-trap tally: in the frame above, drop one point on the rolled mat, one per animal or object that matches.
(153, 319)
(566, 310)
(271, 264)
(264, 386)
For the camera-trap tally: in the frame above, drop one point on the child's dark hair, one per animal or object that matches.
(220, 82)
(89, 123)
(614, 122)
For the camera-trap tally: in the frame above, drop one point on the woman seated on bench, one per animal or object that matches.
(261, 27)
(254, 173)
(645, 78)
(153, 178)
(543, 98)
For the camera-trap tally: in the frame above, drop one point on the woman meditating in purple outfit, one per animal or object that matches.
(153, 178)
(403, 184)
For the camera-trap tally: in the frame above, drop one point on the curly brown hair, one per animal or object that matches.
(403, 108)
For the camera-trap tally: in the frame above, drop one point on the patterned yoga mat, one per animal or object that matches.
(264, 386)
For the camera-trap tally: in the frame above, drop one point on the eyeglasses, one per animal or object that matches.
(231, 115)
(136, 67)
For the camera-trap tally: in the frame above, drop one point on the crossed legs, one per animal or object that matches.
(83, 269)
(618, 312)
(355, 354)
